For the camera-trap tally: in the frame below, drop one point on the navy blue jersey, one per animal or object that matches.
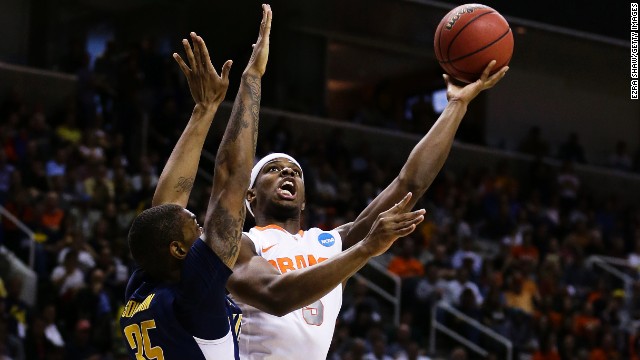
(161, 320)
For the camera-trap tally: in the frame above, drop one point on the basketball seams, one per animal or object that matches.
(457, 38)
(462, 29)
(450, 62)
(482, 48)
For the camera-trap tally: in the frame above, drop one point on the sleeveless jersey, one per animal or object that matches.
(303, 333)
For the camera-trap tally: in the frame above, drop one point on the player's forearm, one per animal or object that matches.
(428, 157)
(238, 147)
(417, 174)
(226, 210)
(296, 289)
(176, 180)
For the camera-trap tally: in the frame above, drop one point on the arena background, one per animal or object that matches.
(343, 80)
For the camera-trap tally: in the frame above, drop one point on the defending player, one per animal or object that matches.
(268, 279)
(177, 307)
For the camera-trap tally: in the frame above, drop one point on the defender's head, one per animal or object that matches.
(160, 238)
(277, 187)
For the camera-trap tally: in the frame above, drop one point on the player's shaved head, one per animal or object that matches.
(150, 235)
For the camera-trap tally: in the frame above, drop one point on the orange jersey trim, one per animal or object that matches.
(276, 227)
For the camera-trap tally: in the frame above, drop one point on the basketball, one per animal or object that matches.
(468, 38)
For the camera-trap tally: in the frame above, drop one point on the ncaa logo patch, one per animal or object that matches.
(326, 239)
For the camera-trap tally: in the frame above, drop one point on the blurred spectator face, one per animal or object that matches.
(379, 347)
(432, 273)
(569, 344)
(15, 288)
(49, 314)
(408, 247)
(404, 333)
(516, 282)
(51, 201)
(440, 253)
(458, 354)
(71, 260)
(462, 275)
(83, 331)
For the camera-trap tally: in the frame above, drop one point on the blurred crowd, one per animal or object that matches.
(78, 176)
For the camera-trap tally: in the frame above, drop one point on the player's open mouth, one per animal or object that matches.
(287, 190)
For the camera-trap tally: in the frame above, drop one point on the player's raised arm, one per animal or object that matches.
(426, 158)
(208, 90)
(279, 294)
(226, 211)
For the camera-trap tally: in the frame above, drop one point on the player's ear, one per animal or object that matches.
(251, 194)
(177, 250)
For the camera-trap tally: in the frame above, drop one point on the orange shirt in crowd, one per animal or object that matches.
(52, 220)
(600, 354)
(404, 267)
(525, 252)
(523, 300)
(551, 355)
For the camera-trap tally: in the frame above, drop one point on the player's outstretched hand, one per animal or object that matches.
(206, 86)
(470, 91)
(258, 62)
(391, 225)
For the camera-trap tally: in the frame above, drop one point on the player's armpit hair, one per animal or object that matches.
(151, 233)
(223, 232)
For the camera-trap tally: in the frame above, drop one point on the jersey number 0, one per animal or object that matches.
(138, 339)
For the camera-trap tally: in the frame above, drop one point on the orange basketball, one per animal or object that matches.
(469, 37)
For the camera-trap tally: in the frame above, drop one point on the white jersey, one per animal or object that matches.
(303, 333)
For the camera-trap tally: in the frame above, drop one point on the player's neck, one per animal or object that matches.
(291, 225)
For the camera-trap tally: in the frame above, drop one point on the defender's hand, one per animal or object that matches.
(208, 89)
(391, 225)
(470, 91)
(258, 62)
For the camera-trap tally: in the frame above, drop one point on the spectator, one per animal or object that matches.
(458, 354)
(467, 253)
(51, 331)
(68, 278)
(461, 283)
(522, 293)
(571, 150)
(10, 345)
(405, 264)
(621, 159)
(547, 349)
(399, 348)
(80, 347)
(606, 350)
(568, 186)
(6, 169)
(94, 302)
(37, 345)
(18, 310)
(526, 251)
(533, 144)
(86, 255)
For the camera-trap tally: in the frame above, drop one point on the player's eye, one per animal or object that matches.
(296, 172)
(273, 168)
